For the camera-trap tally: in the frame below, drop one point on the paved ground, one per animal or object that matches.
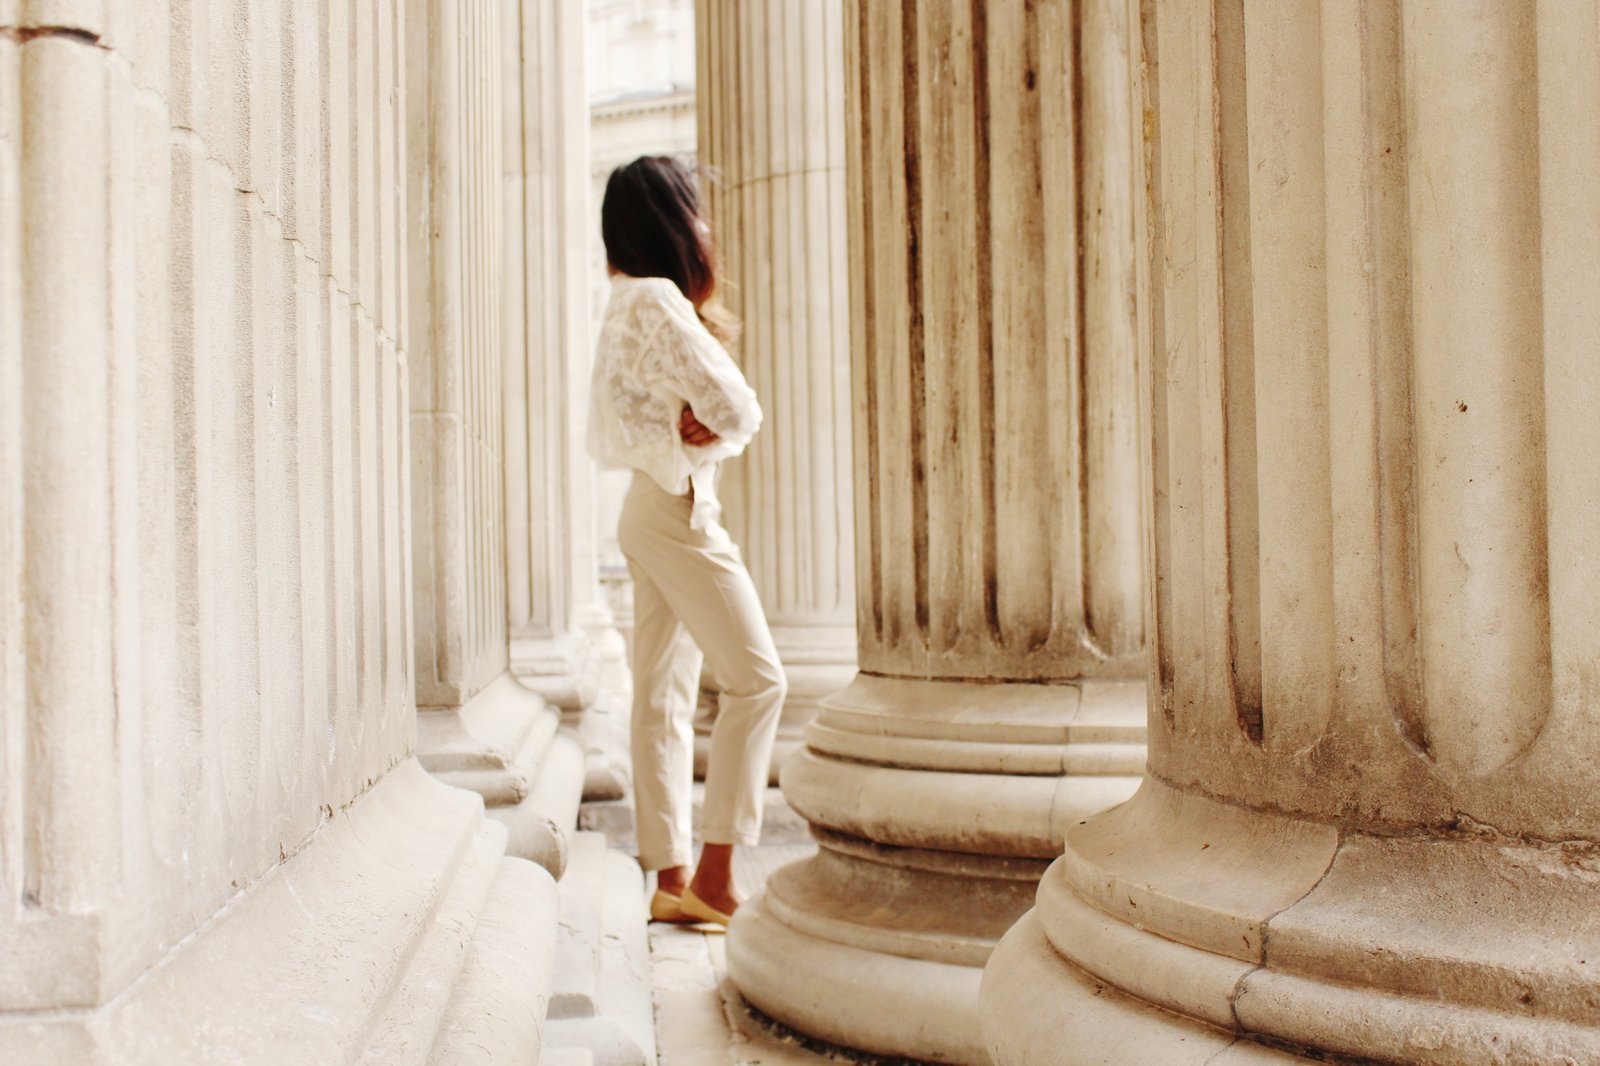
(700, 1018)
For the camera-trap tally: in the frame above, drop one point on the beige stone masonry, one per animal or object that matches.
(563, 642)
(478, 727)
(997, 516)
(1368, 826)
(215, 843)
(770, 101)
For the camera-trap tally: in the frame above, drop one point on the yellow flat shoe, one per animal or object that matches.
(698, 910)
(665, 907)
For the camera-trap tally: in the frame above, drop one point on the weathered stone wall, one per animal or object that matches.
(1373, 496)
(206, 540)
(214, 844)
(479, 728)
(1367, 829)
(770, 98)
(550, 509)
(993, 323)
(457, 425)
(990, 231)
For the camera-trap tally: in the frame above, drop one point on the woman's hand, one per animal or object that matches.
(692, 431)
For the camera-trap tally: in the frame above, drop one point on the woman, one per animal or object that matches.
(670, 404)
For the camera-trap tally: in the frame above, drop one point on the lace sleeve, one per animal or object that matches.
(678, 357)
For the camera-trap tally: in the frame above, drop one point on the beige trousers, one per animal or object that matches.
(692, 595)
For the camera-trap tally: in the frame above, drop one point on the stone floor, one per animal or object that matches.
(701, 1020)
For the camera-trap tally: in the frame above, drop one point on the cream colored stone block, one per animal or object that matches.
(67, 549)
(1166, 846)
(264, 47)
(1098, 1024)
(479, 727)
(365, 207)
(302, 128)
(338, 179)
(860, 998)
(511, 749)
(777, 206)
(87, 17)
(13, 615)
(989, 307)
(389, 204)
(497, 1013)
(272, 415)
(199, 379)
(142, 33)
(185, 36)
(407, 864)
(221, 81)
(1168, 973)
(370, 512)
(554, 606)
(1356, 551)
(1386, 926)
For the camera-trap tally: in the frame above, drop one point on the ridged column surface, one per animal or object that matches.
(457, 421)
(478, 727)
(1371, 240)
(997, 523)
(206, 712)
(563, 642)
(770, 101)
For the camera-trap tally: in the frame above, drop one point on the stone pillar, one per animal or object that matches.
(215, 843)
(1368, 827)
(770, 99)
(563, 643)
(997, 519)
(478, 727)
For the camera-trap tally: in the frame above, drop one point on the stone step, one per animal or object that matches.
(397, 934)
(567, 1056)
(582, 889)
(495, 1013)
(601, 998)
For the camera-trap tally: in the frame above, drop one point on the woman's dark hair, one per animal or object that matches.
(650, 222)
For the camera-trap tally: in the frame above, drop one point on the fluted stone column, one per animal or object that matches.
(997, 520)
(770, 101)
(564, 644)
(1368, 828)
(478, 727)
(215, 843)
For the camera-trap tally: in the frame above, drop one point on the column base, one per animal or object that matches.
(854, 997)
(585, 676)
(1037, 1007)
(399, 933)
(880, 948)
(937, 807)
(563, 670)
(510, 747)
(1448, 947)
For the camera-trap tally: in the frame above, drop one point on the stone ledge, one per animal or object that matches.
(1411, 949)
(353, 946)
(1037, 1007)
(885, 1004)
(602, 1000)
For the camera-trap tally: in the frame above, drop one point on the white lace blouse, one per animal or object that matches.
(653, 356)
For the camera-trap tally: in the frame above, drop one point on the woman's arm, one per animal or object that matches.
(692, 431)
(683, 360)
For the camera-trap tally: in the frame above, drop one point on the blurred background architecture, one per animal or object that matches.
(1218, 378)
